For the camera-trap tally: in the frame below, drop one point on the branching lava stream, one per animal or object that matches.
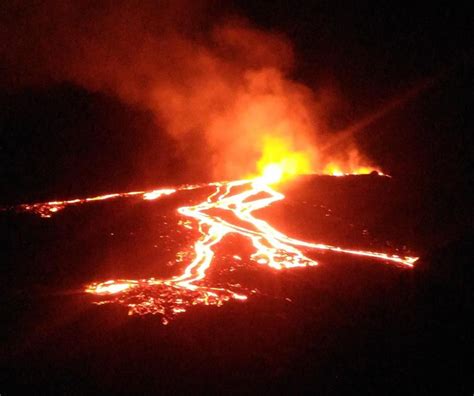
(169, 297)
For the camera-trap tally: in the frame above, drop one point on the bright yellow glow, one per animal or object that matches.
(272, 173)
(363, 170)
(280, 162)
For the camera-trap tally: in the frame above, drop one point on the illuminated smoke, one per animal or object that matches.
(217, 84)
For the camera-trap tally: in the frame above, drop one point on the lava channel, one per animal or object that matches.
(170, 297)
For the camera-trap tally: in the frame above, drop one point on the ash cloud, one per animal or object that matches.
(214, 82)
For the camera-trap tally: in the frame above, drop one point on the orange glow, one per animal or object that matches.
(349, 163)
(169, 297)
(231, 87)
(112, 287)
(48, 209)
(333, 169)
(158, 193)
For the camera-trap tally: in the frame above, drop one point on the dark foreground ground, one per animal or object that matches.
(346, 326)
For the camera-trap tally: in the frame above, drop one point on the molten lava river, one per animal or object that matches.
(229, 209)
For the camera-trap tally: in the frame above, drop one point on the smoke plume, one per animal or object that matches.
(220, 86)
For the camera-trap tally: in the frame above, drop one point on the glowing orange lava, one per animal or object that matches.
(227, 210)
(48, 209)
(169, 297)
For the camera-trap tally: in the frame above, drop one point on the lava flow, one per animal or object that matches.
(48, 209)
(228, 210)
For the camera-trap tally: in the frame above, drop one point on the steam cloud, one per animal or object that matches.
(211, 76)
